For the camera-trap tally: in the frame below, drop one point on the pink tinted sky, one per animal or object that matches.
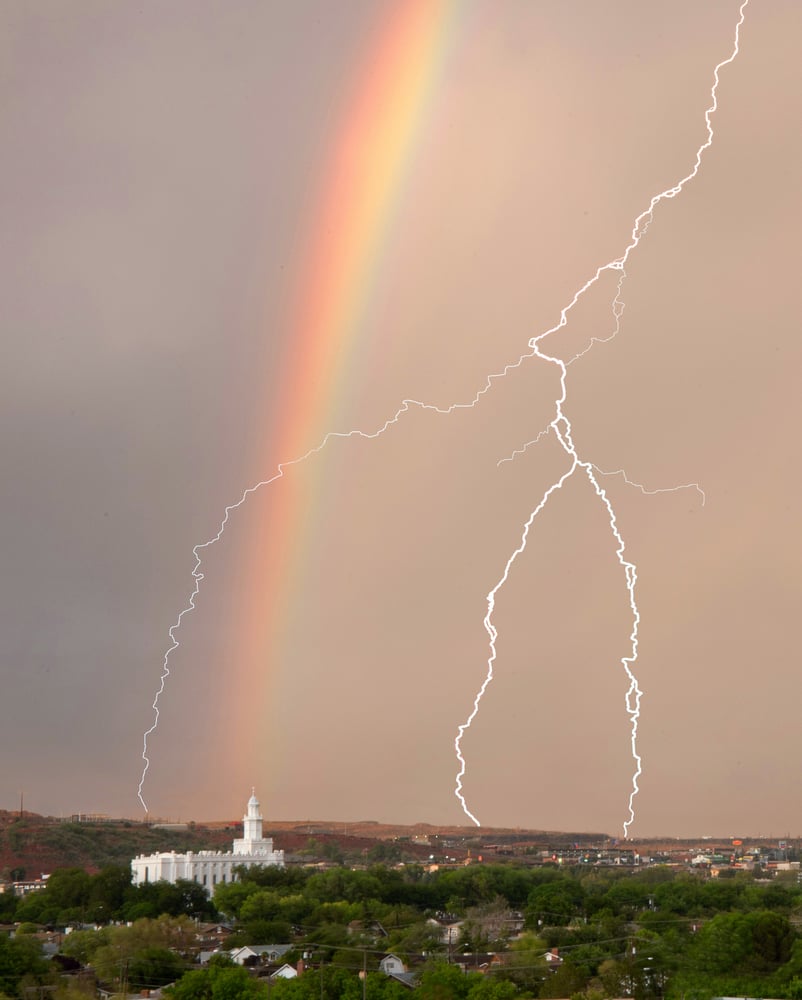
(159, 170)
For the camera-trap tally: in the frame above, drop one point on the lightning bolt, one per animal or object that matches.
(524, 447)
(561, 427)
(617, 307)
(651, 493)
(197, 575)
(197, 551)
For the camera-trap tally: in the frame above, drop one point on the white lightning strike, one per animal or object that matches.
(197, 575)
(641, 224)
(651, 493)
(524, 447)
(618, 307)
(562, 428)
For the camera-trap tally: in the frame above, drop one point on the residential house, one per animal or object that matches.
(477, 961)
(391, 964)
(259, 954)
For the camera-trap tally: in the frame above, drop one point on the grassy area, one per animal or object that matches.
(35, 843)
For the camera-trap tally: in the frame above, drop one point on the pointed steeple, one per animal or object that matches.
(252, 821)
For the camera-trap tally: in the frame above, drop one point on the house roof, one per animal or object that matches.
(445, 920)
(263, 949)
(409, 979)
(477, 960)
(285, 971)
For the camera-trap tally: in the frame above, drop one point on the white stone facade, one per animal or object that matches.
(211, 868)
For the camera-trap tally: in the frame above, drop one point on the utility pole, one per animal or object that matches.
(123, 973)
(364, 974)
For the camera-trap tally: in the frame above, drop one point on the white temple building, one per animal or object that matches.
(209, 868)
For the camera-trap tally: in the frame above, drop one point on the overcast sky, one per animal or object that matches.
(161, 168)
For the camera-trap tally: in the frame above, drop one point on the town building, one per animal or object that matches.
(210, 868)
(26, 886)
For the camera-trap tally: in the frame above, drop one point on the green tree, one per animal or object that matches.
(525, 966)
(119, 947)
(444, 982)
(413, 935)
(340, 884)
(217, 983)
(718, 895)
(82, 945)
(554, 903)
(19, 959)
(334, 913)
(261, 932)
(265, 904)
(229, 896)
(151, 967)
(289, 879)
(486, 927)
(69, 888)
(682, 895)
(108, 892)
(36, 908)
(566, 981)
(8, 907)
(771, 940)
(626, 896)
(615, 977)
(296, 907)
(153, 899)
(337, 984)
(491, 988)
(744, 942)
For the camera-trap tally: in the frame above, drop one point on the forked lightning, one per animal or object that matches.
(561, 428)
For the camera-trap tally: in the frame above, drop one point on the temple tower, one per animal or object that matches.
(252, 843)
(252, 820)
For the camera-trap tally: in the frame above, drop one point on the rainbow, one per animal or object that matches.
(385, 110)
